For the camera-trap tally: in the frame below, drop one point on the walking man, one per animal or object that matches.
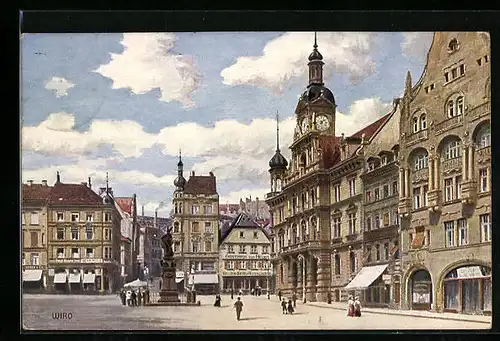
(239, 307)
(283, 306)
(279, 295)
(232, 293)
(294, 299)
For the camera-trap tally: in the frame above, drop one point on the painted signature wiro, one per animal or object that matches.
(62, 316)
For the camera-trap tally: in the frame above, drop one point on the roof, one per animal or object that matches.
(243, 220)
(232, 207)
(125, 203)
(74, 194)
(372, 128)
(199, 184)
(35, 192)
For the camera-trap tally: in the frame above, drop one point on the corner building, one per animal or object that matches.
(445, 172)
(320, 182)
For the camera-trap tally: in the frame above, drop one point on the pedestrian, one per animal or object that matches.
(294, 299)
(357, 307)
(239, 307)
(279, 295)
(129, 297)
(232, 293)
(133, 297)
(139, 297)
(252, 292)
(268, 295)
(290, 307)
(123, 297)
(350, 307)
(147, 295)
(283, 306)
(217, 301)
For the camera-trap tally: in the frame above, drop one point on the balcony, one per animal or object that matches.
(417, 137)
(480, 111)
(352, 237)
(433, 199)
(383, 232)
(468, 192)
(336, 240)
(420, 175)
(404, 206)
(483, 154)
(452, 164)
(448, 124)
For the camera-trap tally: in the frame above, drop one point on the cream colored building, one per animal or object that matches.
(83, 239)
(445, 171)
(34, 202)
(244, 256)
(196, 231)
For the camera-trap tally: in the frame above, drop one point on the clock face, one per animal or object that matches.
(304, 125)
(322, 123)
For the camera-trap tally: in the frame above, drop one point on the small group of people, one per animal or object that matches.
(353, 307)
(134, 298)
(256, 292)
(287, 308)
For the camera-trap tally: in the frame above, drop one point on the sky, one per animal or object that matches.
(127, 103)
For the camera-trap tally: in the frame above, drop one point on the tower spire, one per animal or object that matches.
(315, 41)
(277, 131)
(180, 154)
(107, 183)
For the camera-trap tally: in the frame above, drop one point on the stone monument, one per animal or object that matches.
(168, 292)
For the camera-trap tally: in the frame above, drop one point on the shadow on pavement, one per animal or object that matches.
(251, 318)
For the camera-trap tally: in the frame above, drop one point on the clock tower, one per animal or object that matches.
(315, 114)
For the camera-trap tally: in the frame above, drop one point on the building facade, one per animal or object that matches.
(34, 203)
(196, 230)
(380, 227)
(244, 257)
(150, 251)
(256, 209)
(130, 234)
(445, 169)
(83, 239)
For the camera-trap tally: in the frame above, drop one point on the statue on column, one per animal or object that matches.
(168, 293)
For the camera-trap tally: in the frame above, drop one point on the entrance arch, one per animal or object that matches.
(467, 289)
(420, 290)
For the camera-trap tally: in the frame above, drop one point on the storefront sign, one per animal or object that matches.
(246, 256)
(469, 272)
(246, 273)
(81, 260)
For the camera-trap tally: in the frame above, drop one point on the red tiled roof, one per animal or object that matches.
(35, 192)
(73, 194)
(372, 128)
(201, 185)
(125, 204)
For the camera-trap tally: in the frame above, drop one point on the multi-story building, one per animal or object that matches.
(244, 256)
(150, 252)
(127, 207)
(34, 199)
(256, 209)
(445, 172)
(83, 239)
(196, 230)
(312, 255)
(380, 277)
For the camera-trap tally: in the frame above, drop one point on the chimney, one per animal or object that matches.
(44, 182)
(143, 210)
(156, 217)
(58, 180)
(84, 184)
(90, 183)
(30, 182)
(102, 190)
(192, 173)
(211, 174)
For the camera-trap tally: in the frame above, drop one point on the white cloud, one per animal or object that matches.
(416, 44)
(284, 59)
(147, 64)
(59, 85)
(234, 197)
(232, 150)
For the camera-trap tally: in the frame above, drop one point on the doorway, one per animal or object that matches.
(421, 290)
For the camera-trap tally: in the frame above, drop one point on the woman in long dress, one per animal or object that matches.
(350, 307)
(357, 307)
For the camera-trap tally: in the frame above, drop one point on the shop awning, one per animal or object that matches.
(366, 277)
(60, 277)
(206, 279)
(74, 278)
(88, 278)
(32, 275)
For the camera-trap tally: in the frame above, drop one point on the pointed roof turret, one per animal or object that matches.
(408, 83)
(278, 161)
(315, 55)
(179, 181)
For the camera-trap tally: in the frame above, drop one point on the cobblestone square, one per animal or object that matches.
(259, 313)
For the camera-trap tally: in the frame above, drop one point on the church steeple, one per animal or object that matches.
(315, 64)
(277, 132)
(278, 161)
(179, 182)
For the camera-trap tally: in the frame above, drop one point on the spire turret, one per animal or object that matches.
(179, 181)
(278, 161)
(315, 64)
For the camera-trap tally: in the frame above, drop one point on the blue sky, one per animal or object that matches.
(126, 103)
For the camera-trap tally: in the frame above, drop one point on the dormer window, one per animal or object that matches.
(453, 45)
(383, 160)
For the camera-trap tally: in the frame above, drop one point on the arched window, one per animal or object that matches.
(337, 264)
(453, 45)
(451, 109)
(415, 124)
(176, 227)
(313, 228)
(294, 235)
(460, 105)
(452, 150)
(303, 230)
(423, 122)
(369, 251)
(483, 138)
(352, 262)
(421, 161)
(176, 210)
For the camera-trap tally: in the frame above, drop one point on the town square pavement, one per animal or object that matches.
(259, 313)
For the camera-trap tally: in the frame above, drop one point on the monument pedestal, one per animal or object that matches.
(168, 292)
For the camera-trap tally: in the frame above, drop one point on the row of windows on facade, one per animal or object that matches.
(75, 233)
(453, 108)
(379, 255)
(195, 209)
(381, 192)
(308, 199)
(245, 265)
(243, 249)
(453, 148)
(457, 231)
(337, 193)
(195, 227)
(385, 159)
(195, 246)
(452, 189)
(76, 252)
(34, 240)
(60, 217)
